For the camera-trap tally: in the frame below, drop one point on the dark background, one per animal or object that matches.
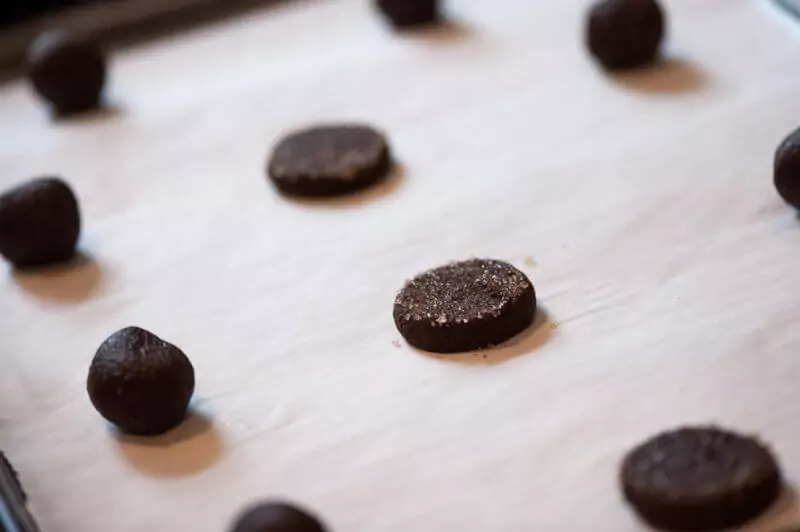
(21, 10)
(21, 21)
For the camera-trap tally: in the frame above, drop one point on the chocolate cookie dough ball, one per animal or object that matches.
(39, 223)
(407, 13)
(69, 73)
(700, 478)
(140, 383)
(271, 516)
(625, 33)
(787, 169)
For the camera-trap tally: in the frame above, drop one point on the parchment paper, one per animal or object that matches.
(641, 206)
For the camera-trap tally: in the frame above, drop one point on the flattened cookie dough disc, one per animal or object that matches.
(329, 160)
(465, 306)
(697, 479)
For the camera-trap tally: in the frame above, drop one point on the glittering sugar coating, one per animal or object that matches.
(702, 478)
(462, 291)
(465, 305)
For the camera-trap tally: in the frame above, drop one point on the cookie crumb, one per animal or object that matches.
(530, 262)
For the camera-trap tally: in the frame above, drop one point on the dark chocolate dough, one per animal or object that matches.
(69, 73)
(329, 160)
(406, 13)
(464, 306)
(625, 33)
(140, 383)
(277, 517)
(696, 479)
(39, 223)
(787, 169)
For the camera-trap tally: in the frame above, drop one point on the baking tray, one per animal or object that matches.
(116, 22)
(792, 6)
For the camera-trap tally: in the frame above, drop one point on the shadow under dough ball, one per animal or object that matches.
(69, 73)
(276, 517)
(787, 169)
(332, 160)
(695, 479)
(39, 223)
(625, 33)
(140, 383)
(464, 306)
(407, 13)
